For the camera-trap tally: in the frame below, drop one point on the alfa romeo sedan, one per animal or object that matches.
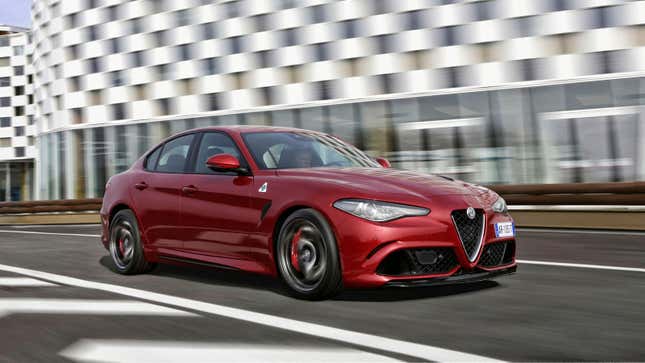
(303, 206)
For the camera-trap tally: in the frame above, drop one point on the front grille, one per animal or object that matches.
(469, 230)
(418, 261)
(498, 254)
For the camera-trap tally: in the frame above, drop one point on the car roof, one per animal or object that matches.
(242, 129)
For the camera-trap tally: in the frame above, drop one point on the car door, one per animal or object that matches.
(156, 193)
(216, 215)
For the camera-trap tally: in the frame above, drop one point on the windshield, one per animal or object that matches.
(288, 150)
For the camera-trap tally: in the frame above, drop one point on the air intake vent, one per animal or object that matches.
(470, 231)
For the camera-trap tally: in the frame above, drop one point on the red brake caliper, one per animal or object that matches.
(122, 246)
(294, 250)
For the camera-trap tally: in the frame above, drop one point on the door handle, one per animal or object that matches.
(189, 189)
(141, 186)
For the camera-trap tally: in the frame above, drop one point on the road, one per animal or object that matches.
(60, 301)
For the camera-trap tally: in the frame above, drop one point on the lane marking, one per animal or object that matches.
(580, 231)
(23, 282)
(582, 265)
(85, 306)
(50, 233)
(421, 351)
(142, 351)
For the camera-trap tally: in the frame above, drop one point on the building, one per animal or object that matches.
(17, 129)
(494, 91)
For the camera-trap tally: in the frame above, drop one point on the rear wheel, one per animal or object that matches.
(125, 245)
(307, 256)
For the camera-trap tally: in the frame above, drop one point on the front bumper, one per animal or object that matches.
(366, 247)
(463, 278)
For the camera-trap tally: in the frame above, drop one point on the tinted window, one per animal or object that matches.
(214, 143)
(286, 150)
(174, 155)
(151, 161)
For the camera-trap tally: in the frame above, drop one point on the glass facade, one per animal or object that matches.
(577, 132)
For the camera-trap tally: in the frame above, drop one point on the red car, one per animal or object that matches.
(304, 206)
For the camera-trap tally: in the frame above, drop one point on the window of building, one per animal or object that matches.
(289, 36)
(210, 65)
(96, 97)
(5, 142)
(174, 155)
(263, 58)
(137, 59)
(72, 20)
(94, 65)
(77, 115)
(19, 131)
(72, 52)
(232, 9)
(349, 28)
(19, 90)
(114, 45)
(184, 52)
(18, 70)
(261, 22)
(4, 81)
(208, 31)
(113, 12)
(4, 41)
(75, 84)
(136, 25)
(5, 102)
(213, 102)
(164, 106)
(118, 78)
(183, 17)
(413, 20)
(4, 61)
(321, 51)
(20, 151)
(5, 121)
(18, 50)
(118, 110)
(19, 110)
(160, 37)
(91, 33)
(318, 14)
(235, 45)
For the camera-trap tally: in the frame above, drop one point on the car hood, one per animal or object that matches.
(381, 181)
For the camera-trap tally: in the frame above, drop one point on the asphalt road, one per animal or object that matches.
(542, 313)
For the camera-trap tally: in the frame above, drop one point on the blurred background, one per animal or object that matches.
(490, 91)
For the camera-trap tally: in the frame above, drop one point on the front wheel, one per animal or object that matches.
(125, 245)
(307, 256)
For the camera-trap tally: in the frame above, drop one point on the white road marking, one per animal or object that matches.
(421, 351)
(582, 265)
(85, 306)
(140, 351)
(23, 282)
(50, 233)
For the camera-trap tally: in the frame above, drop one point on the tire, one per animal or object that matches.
(125, 245)
(307, 256)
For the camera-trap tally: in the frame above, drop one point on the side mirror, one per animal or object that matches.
(225, 162)
(384, 163)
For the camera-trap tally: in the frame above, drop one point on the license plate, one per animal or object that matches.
(504, 229)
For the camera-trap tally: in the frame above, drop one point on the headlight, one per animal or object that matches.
(500, 206)
(377, 211)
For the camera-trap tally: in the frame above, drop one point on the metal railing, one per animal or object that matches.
(601, 194)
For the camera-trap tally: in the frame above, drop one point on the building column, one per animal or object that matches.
(90, 180)
(71, 152)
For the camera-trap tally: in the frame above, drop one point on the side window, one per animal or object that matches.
(214, 143)
(271, 157)
(175, 154)
(151, 161)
